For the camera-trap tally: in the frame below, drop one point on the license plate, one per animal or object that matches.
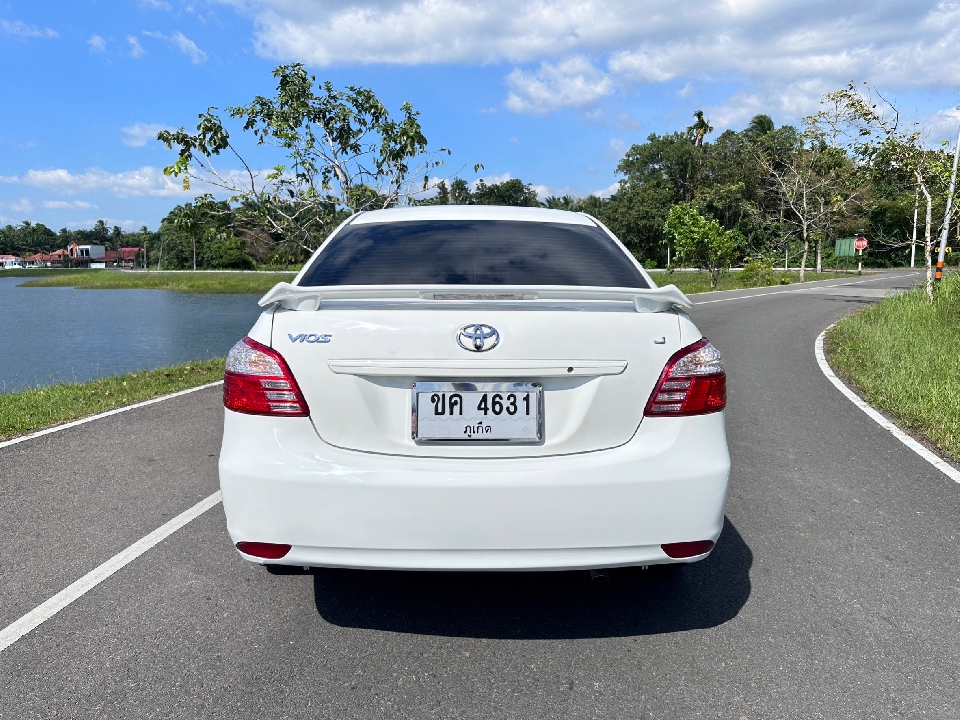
(511, 412)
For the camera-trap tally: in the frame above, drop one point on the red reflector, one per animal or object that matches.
(688, 549)
(267, 551)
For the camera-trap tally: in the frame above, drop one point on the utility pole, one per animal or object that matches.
(942, 255)
(913, 245)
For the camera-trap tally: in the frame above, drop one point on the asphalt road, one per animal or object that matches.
(834, 591)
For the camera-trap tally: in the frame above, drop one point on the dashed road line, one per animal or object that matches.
(805, 289)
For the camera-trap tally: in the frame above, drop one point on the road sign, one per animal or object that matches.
(844, 247)
(860, 243)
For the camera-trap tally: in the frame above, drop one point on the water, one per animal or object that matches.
(50, 335)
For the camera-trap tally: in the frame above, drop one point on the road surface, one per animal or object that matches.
(833, 591)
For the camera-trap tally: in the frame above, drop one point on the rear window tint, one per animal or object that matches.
(473, 252)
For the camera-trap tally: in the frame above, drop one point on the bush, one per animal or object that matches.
(650, 264)
(759, 273)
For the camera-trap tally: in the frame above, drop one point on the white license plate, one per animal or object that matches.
(511, 412)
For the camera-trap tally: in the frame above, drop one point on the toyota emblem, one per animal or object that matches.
(478, 337)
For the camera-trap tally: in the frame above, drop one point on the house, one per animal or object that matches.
(85, 255)
(125, 257)
(42, 260)
(11, 261)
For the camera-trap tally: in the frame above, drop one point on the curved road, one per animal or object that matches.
(833, 592)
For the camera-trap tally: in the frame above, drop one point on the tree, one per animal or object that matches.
(344, 151)
(702, 242)
(870, 126)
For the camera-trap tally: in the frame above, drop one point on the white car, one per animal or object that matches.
(474, 388)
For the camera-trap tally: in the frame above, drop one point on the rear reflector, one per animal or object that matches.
(692, 383)
(688, 549)
(267, 551)
(258, 381)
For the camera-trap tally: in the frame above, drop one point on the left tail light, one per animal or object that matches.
(692, 383)
(257, 381)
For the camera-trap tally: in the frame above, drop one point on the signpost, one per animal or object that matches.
(844, 248)
(860, 244)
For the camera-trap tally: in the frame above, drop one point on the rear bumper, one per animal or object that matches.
(341, 508)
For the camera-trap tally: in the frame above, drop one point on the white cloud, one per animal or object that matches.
(22, 205)
(184, 44)
(18, 28)
(97, 44)
(491, 180)
(138, 134)
(67, 205)
(136, 49)
(574, 82)
(155, 5)
(781, 53)
(616, 148)
(147, 181)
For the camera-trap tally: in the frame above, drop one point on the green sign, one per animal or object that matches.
(844, 247)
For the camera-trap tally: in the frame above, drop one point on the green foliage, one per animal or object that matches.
(203, 283)
(30, 410)
(702, 242)
(345, 152)
(758, 272)
(512, 192)
(901, 355)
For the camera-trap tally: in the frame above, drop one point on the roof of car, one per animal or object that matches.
(471, 212)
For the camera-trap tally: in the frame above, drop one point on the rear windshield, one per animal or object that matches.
(473, 252)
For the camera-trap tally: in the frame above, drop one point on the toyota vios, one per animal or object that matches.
(474, 388)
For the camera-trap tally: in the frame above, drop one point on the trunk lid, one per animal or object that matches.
(357, 363)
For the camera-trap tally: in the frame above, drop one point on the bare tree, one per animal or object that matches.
(871, 126)
(813, 186)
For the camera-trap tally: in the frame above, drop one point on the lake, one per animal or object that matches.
(50, 335)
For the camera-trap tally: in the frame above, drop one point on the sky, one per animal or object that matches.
(549, 91)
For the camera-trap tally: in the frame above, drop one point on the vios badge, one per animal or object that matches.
(478, 337)
(311, 338)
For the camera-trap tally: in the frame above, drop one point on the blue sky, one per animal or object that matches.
(550, 91)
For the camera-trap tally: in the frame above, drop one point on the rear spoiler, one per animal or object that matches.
(295, 297)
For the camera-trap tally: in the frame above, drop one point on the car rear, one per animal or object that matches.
(472, 388)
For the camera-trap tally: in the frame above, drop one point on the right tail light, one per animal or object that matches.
(692, 383)
(258, 381)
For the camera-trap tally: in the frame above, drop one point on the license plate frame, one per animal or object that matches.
(504, 388)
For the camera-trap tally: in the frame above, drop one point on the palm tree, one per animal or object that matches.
(700, 129)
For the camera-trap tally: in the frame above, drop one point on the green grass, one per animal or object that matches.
(902, 355)
(24, 412)
(694, 282)
(185, 282)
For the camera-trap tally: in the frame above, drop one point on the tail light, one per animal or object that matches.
(257, 381)
(692, 383)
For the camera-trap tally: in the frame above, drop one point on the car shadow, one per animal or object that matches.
(542, 605)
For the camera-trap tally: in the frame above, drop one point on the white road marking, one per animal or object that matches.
(43, 612)
(944, 467)
(802, 289)
(108, 413)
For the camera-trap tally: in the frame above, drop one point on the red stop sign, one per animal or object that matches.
(860, 243)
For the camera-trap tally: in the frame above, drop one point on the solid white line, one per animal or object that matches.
(944, 467)
(108, 413)
(807, 288)
(43, 612)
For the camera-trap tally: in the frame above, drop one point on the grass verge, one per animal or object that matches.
(901, 356)
(691, 282)
(186, 282)
(30, 410)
